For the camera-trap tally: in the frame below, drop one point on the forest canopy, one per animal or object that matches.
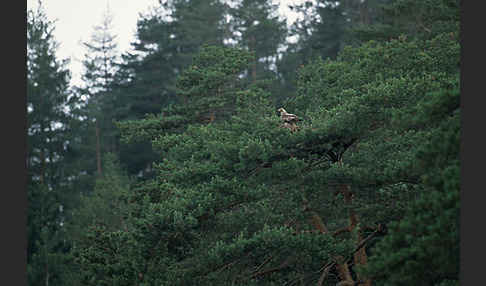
(219, 158)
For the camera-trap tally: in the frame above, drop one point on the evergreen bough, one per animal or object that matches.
(238, 200)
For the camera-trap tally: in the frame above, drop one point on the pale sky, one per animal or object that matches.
(76, 19)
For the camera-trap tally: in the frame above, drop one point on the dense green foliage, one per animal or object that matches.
(94, 130)
(106, 204)
(323, 29)
(256, 26)
(427, 237)
(48, 130)
(364, 189)
(229, 196)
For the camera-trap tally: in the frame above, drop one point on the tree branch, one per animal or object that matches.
(274, 269)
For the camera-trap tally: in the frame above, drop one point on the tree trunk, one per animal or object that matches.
(254, 65)
(47, 276)
(360, 257)
(42, 156)
(364, 13)
(98, 149)
(341, 264)
(47, 270)
(318, 223)
(343, 271)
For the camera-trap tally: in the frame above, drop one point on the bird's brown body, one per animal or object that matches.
(289, 119)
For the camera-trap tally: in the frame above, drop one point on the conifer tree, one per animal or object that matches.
(167, 37)
(106, 205)
(48, 139)
(322, 29)
(100, 66)
(422, 19)
(257, 26)
(423, 247)
(239, 199)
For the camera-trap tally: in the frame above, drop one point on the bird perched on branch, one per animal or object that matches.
(287, 117)
(289, 120)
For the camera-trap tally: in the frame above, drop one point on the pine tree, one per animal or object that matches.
(210, 82)
(323, 30)
(256, 26)
(167, 38)
(239, 199)
(422, 19)
(423, 248)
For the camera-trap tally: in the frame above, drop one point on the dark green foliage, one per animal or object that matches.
(107, 208)
(99, 79)
(106, 204)
(257, 27)
(94, 132)
(100, 259)
(322, 31)
(167, 38)
(48, 131)
(423, 248)
(202, 197)
(230, 200)
(207, 89)
(234, 197)
(47, 248)
(47, 96)
(422, 19)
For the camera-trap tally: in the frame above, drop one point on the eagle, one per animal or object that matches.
(289, 119)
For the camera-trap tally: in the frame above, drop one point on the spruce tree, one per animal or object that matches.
(48, 129)
(100, 66)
